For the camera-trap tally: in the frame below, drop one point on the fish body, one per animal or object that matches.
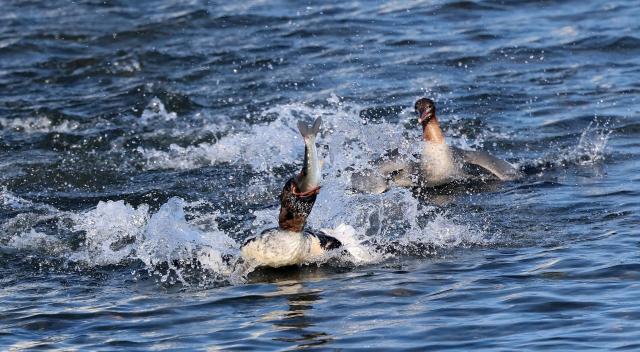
(309, 178)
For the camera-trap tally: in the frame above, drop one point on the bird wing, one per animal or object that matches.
(500, 168)
(387, 167)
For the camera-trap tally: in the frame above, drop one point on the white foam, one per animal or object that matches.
(347, 142)
(168, 237)
(181, 158)
(354, 244)
(391, 219)
(262, 146)
(155, 110)
(35, 241)
(447, 231)
(38, 124)
(116, 232)
(265, 146)
(112, 232)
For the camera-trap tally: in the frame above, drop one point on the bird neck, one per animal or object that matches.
(295, 206)
(431, 131)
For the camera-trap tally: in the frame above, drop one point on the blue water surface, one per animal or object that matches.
(139, 138)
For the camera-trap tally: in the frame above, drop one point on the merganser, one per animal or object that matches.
(439, 163)
(290, 243)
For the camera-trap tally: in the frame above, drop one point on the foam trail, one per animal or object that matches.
(114, 233)
(169, 238)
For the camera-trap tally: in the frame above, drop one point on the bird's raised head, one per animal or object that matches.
(426, 110)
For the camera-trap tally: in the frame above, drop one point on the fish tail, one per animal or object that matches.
(309, 131)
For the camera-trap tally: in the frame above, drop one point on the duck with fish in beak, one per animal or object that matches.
(291, 243)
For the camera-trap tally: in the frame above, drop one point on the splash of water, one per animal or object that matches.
(168, 238)
(372, 227)
(156, 110)
(347, 144)
(111, 231)
(589, 150)
(115, 233)
(592, 143)
(264, 146)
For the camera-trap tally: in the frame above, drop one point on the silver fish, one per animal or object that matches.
(309, 178)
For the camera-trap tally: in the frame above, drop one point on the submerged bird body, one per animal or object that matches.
(290, 244)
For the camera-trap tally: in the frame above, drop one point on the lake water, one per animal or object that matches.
(139, 138)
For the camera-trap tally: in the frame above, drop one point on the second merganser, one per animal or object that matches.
(439, 163)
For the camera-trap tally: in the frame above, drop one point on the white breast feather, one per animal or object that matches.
(279, 248)
(438, 165)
